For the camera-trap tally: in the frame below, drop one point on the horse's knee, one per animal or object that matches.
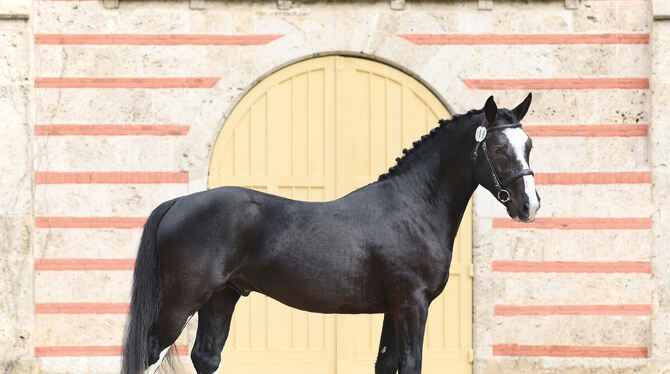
(205, 362)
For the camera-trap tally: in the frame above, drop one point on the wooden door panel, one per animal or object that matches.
(314, 131)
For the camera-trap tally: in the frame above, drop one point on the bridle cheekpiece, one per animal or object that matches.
(480, 137)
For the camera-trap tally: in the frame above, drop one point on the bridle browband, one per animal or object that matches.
(480, 137)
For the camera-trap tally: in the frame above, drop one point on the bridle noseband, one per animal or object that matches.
(480, 136)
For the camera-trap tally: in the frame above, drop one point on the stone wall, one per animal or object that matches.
(91, 151)
(659, 154)
(16, 189)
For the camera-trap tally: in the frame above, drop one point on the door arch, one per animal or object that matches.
(315, 130)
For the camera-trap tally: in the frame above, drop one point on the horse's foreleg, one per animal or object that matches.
(213, 327)
(410, 324)
(387, 356)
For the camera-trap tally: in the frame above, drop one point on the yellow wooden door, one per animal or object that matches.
(316, 130)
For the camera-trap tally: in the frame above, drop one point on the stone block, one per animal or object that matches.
(16, 284)
(571, 288)
(95, 106)
(14, 52)
(79, 329)
(63, 365)
(16, 129)
(660, 9)
(197, 4)
(86, 243)
(398, 4)
(575, 245)
(485, 5)
(66, 153)
(107, 200)
(632, 16)
(89, 17)
(660, 326)
(590, 154)
(624, 331)
(24, 365)
(16, 190)
(15, 9)
(82, 286)
(110, 4)
(568, 365)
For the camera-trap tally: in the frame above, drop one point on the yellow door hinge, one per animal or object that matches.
(471, 356)
(471, 270)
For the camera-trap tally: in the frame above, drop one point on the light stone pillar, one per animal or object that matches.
(16, 260)
(659, 139)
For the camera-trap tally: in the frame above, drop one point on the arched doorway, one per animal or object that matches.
(315, 130)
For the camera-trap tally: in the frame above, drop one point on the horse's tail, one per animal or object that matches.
(145, 297)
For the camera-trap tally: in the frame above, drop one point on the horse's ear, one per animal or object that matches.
(491, 111)
(521, 110)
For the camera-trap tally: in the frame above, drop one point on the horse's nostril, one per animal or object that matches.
(526, 207)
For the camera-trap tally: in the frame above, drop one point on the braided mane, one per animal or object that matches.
(442, 125)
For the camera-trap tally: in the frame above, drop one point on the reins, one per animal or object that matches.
(480, 136)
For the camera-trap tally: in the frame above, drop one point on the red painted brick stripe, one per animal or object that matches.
(557, 83)
(81, 308)
(154, 39)
(576, 224)
(568, 351)
(508, 39)
(580, 310)
(571, 267)
(587, 130)
(90, 350)
(593, 178)
(89, 222)
(83, 264)
(156, 130)
(54, 82)
(110, 177)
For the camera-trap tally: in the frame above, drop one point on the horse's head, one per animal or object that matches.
(501, 157)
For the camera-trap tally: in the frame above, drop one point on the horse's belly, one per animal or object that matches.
(323, 290)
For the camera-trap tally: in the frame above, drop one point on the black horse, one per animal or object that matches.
(384, 248)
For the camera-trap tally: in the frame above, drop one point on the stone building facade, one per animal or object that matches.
(108, 108)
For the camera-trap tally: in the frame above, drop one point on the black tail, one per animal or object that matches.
(145, 296)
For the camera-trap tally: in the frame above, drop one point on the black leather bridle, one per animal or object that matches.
(480, 137)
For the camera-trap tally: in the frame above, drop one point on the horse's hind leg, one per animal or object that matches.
(213, 327)
(387, 356)
(178, 303)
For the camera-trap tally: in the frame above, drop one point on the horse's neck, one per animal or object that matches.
(441, 181)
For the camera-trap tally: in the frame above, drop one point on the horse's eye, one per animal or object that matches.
(499, 151)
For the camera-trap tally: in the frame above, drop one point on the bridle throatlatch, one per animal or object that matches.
(480, 136)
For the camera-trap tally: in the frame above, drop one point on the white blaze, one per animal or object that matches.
(517, 139)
